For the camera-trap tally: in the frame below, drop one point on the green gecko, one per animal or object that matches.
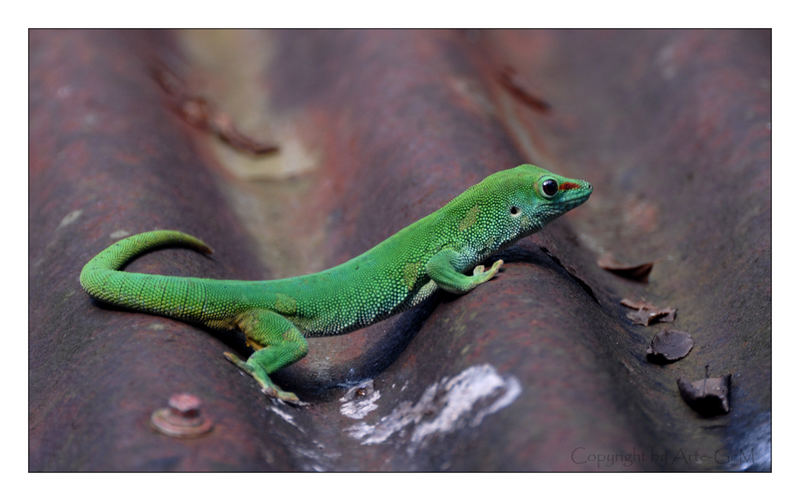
(277, 315)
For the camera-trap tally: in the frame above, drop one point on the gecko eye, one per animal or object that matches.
(549, 188)
(515, 210)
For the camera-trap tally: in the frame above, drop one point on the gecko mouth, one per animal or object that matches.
(574, 198)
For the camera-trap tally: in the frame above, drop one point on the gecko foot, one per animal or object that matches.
(267, 386)
(284, 396)
(487, 275)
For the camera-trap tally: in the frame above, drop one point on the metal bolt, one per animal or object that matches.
(182, 418)
(185, 404)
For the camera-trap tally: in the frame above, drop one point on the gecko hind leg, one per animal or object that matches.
(278, 343)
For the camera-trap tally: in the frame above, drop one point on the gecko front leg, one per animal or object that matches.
(441, 270)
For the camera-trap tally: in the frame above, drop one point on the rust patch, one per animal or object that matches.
(469, 218)
(568, 186)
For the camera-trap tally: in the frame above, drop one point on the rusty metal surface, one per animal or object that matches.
(536, 370)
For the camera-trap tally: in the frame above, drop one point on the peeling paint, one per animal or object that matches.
(285, 416)
(360, 400)
(513, 390)
(319, 456)
(444, 407)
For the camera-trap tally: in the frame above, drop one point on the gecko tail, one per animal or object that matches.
(102, 280)
(116, 255)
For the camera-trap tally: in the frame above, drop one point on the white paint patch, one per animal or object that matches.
(286, 416)
(70, 218)
(360, 400)
(119, 234)
(461, 394)
(444, 407)
(320, 458)
(513, 390)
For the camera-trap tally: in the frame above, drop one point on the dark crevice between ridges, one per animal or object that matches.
(515, 254)
(577, 279)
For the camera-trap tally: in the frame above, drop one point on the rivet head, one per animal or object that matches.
(182, 418)
(185, 404)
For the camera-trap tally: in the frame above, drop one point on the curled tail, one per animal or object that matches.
(177, 297)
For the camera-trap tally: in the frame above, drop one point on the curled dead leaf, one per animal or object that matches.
(638, 272)
(708, 396)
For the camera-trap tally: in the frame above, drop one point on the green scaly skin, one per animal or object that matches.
(277, 315)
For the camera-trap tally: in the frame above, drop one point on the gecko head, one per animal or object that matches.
(537, 196)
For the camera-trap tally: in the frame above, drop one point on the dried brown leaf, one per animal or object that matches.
(638, 272)
(227, 131)
(637, 305)
(708, 396)
(669, 346)
(645, 316)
